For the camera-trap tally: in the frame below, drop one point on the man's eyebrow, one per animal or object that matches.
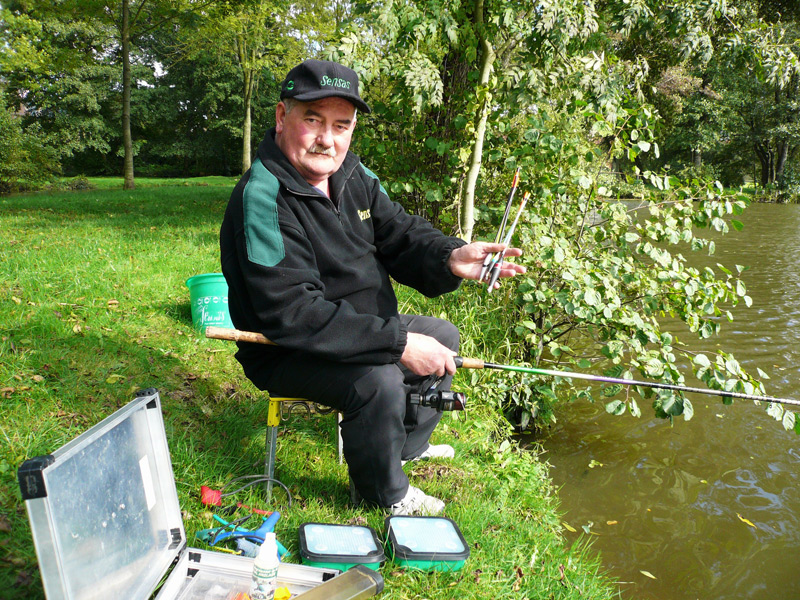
(310, 112)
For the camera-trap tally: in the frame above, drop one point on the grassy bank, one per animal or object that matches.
(93, 306)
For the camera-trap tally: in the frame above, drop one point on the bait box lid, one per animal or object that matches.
(427, 543)
(106, 521)
(340, 546)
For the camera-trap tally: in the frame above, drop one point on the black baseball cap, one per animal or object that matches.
(315, 79)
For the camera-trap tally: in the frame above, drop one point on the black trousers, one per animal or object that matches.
(379, 427)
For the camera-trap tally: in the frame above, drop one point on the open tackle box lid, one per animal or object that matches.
(105, 515)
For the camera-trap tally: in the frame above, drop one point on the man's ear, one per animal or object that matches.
(280, 115)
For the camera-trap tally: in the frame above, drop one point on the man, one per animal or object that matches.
(309, 242)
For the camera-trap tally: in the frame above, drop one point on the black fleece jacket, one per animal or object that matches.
(313, 273)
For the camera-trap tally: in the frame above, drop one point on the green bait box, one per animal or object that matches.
(340, 546)
(426, 543)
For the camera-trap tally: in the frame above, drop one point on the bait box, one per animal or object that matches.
(106, 521)
(426, 543)
(340, 546)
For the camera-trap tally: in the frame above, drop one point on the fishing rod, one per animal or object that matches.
(502, 228)
(236, 335)
(497, 264)
(476, 363)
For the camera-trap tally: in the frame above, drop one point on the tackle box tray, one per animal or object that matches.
(106, 521)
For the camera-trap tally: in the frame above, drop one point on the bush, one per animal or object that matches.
(25, 160)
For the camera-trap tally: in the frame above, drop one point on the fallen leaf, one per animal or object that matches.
(611, 522)
(114, 378)
(16, 300)
(569, 527)
(518, 581)
(38, 378)
(648, 574)
(746, 521)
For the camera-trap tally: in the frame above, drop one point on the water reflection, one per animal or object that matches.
(710, 507)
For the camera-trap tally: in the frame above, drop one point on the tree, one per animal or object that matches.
(51, 68)
(262, 38)
(24, 159)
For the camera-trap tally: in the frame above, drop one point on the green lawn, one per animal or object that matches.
(93, 306)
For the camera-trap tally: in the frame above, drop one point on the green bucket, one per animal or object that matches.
(209, 298)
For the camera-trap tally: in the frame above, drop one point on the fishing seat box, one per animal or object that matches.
(107, 524)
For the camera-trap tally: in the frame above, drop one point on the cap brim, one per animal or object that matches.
(319, 94)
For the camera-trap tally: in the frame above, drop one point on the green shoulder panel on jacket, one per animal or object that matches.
(375, 177)
(262, 231)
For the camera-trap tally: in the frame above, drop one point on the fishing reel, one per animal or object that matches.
(440, 400)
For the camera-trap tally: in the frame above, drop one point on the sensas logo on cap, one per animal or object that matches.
(335, 82)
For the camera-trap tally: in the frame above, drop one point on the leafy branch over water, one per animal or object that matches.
(609, 271)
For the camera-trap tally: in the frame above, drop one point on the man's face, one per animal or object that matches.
(315, 136)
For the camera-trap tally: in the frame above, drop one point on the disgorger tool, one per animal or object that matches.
(476, 363)
(502, 228)
(497, 263)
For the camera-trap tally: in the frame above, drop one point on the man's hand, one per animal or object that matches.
(425, 356)
(466, 261)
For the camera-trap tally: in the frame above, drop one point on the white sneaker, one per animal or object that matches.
(438, 451)
(417, 502)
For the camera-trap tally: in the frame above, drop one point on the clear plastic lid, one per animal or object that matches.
(108, 524)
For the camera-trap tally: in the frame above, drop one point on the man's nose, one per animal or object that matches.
(325, 137)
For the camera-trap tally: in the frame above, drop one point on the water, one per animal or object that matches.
(709, 508)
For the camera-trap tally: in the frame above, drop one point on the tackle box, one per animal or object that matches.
(106, 521)
(426, 543)
(340, 546)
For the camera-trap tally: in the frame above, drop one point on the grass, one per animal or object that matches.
(93, 306)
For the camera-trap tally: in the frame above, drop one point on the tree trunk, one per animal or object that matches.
(697, 158)
(127, 140)
(487, 61)
(783, 156)
(766, 157)
(247, 123)
(246, 62)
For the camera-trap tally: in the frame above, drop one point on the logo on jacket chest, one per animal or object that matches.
(364, 214)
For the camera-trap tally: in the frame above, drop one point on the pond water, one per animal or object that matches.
(708, 508)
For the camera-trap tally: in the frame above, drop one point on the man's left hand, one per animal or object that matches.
(467, 261)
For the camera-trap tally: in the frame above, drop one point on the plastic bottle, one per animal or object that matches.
(265, 570)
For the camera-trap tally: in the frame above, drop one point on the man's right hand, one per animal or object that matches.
(425, 356)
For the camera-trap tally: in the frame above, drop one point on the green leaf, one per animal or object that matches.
(788, 421)
(591, 297)
(634, 408)
(737, 225)
(702, 360)
(616, 407)
(688, 409)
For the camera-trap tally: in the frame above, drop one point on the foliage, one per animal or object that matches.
(605, 273)
(25, 158)
(49, 67)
